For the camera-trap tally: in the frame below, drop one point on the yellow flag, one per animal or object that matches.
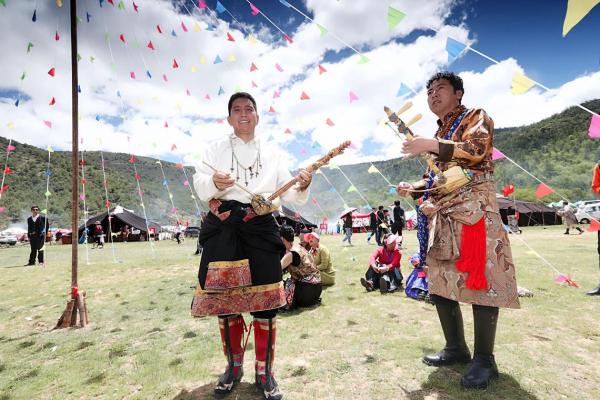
(140, 101)
(576, 10)
(197, 27)
(252, 39)
(10, 125)
(352, 188)
(372, 169)
(231, 58)
(194, 69)
(202, 59)
(50, 150)
(333, 166)
(178, 106)
(521, 84)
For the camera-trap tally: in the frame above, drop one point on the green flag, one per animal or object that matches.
(394, 17)
(322, 29)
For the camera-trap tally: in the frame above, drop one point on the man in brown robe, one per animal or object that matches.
(468, 253)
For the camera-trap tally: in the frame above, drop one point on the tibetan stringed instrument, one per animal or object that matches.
(262, 205)
(443, 182)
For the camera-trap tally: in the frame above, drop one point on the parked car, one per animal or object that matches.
(191, 231)
(585, 214)
(9, 240)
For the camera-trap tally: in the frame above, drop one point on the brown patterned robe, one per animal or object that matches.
(470, 147)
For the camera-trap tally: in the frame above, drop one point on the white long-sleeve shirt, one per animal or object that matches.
(273, 174)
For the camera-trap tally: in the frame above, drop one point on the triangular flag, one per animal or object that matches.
(221, 91)
(135, 7)
(187, 92)
(576, 10)
(52, 71)
(521, 84)
(404, 90)
(132, 160)
(53, 101)
(122, 38)
(45, 212)
(329, 122)
(150, 45)
(88, 17)
(594, 226)
(132, 75)
(332, 190)
(29, 46)
(217, 60)
(288, 131)
(392, 190)
(158, 29)
(179, 166)
(121, 5)
(253, 10)
(288, 38)
(276, 94)
(372, 169)
(175, 65)
(201, 4)
(173, 33)
(497, 154)
(508, 190)
(352, 188)
(322, 29)
(454, 48)
(272, 110)
(353, 96)
(253, 67)
(48, 123)
(363, 59)
(594, 129)
(7, 170)
(166, 125)
(333, 166)
(394, 17)
(197, 27)
(322, 69)
(50, 149)
(2, 209)
(164, 76)
(186, 183)
(10, 125)
(148, 74)
(304, 96)
(230, 38)
(231, 58)
(34, 18)
(183, 27)
(543, 190)
(173, 147)
(252, 39)
(194, 69)
(254, 84)
(278, 67)
(56, 36)
(220, 8)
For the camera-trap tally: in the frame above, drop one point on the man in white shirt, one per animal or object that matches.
(240, 268)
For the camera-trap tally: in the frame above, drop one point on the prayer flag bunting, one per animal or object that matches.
(183, 27)
(454, 48)
(253, 67)
(322, 69)
(52, 72)
(497, 154)
(53, 101)
(220, 8)
(543, 190)
(403, 91)
(322, 29)
(304, 96)
(576, 11)
(352, 188)
(175, 65)
(150, 45)
(394, 17)
(217, 60)
(253, 10)
(372, 169)
(594, 129)
(230, 38)
(521, 84)
(329, 122)
(353, 96)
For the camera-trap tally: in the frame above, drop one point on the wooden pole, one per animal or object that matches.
(77, 301)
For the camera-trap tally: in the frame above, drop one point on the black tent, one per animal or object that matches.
(119, 217)
(292, 219)
(529, 213)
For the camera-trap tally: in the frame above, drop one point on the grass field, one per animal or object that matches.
(142, 343)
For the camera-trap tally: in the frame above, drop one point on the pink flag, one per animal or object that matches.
(275, 94)
(53, 101)
(288, 131)
(329, 122)
(183, 27)
(2, 209)
(304, 96)
(594, 130)
(82, 196)
(158, 29)
(322, 69)
(166, 124)
(288, 39)
(201, 4)
(150, 45)
(186, 183)
(253, 67)
(230, 38)
(178, 165)
(207, 97)
(254, 84)
(48, 123)
(497, 154)
(56, 36)
(254, 11)
(187, 91)
(353, 96)
(52, 71)
(10, 148)
(135, 7)
(175, 65)
(132, 75)
(132, 160)
(278, 67)
(272, 110)
(122, 38)
(173, 147)
(165, 78)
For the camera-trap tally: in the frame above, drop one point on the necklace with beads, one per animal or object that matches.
(253, 169)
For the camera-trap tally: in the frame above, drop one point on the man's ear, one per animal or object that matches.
(461, 94)
(229, 120)
(257, 118)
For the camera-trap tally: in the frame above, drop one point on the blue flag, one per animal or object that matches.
(454, 48)
(149, 74)
(404, 90)
(221, 91)
(220, 8)
(217, 60)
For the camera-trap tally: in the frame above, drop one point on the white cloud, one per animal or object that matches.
(147, 103)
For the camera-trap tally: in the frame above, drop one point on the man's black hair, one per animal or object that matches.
(396, 202)
(287, 232)
(455, 80)
(380, 207)
(240, 95)
(32, 207)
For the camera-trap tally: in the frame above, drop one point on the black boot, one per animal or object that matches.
(580, 230)
(456, 350)
(594, 292)
(566, 232)
(482, 369)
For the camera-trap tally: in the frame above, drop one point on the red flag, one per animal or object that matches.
(288, 131)
(53, 101)
(183, 27)
(132, 160)
(132, 75)
(56, 36)
(178, 165)
(10, 148)
(111, 2)
(82, 162)
(508, 189)
(289, 39)
(543, 190)
(175, 65)
(304, 96)
(137, 176)
(272, 110)
(122, 37)
(594, 226)
(4, 189)
(7, 170)
(52, 71)
(322, 69)
(166, 124)
(230, 38)
(150, 45)
(165, 78)
(135, 7)
(158, 29)
(253, 67)
(173, 147)
(107, 203)
(329, 122)
(83, 181)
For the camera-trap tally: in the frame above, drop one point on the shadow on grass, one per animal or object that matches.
(444, 383)
(243, 390)
(297, 310)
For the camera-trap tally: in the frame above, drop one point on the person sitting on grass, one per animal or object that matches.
(384, 267)
(417, 284)
(303, 288)
(322, 258)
